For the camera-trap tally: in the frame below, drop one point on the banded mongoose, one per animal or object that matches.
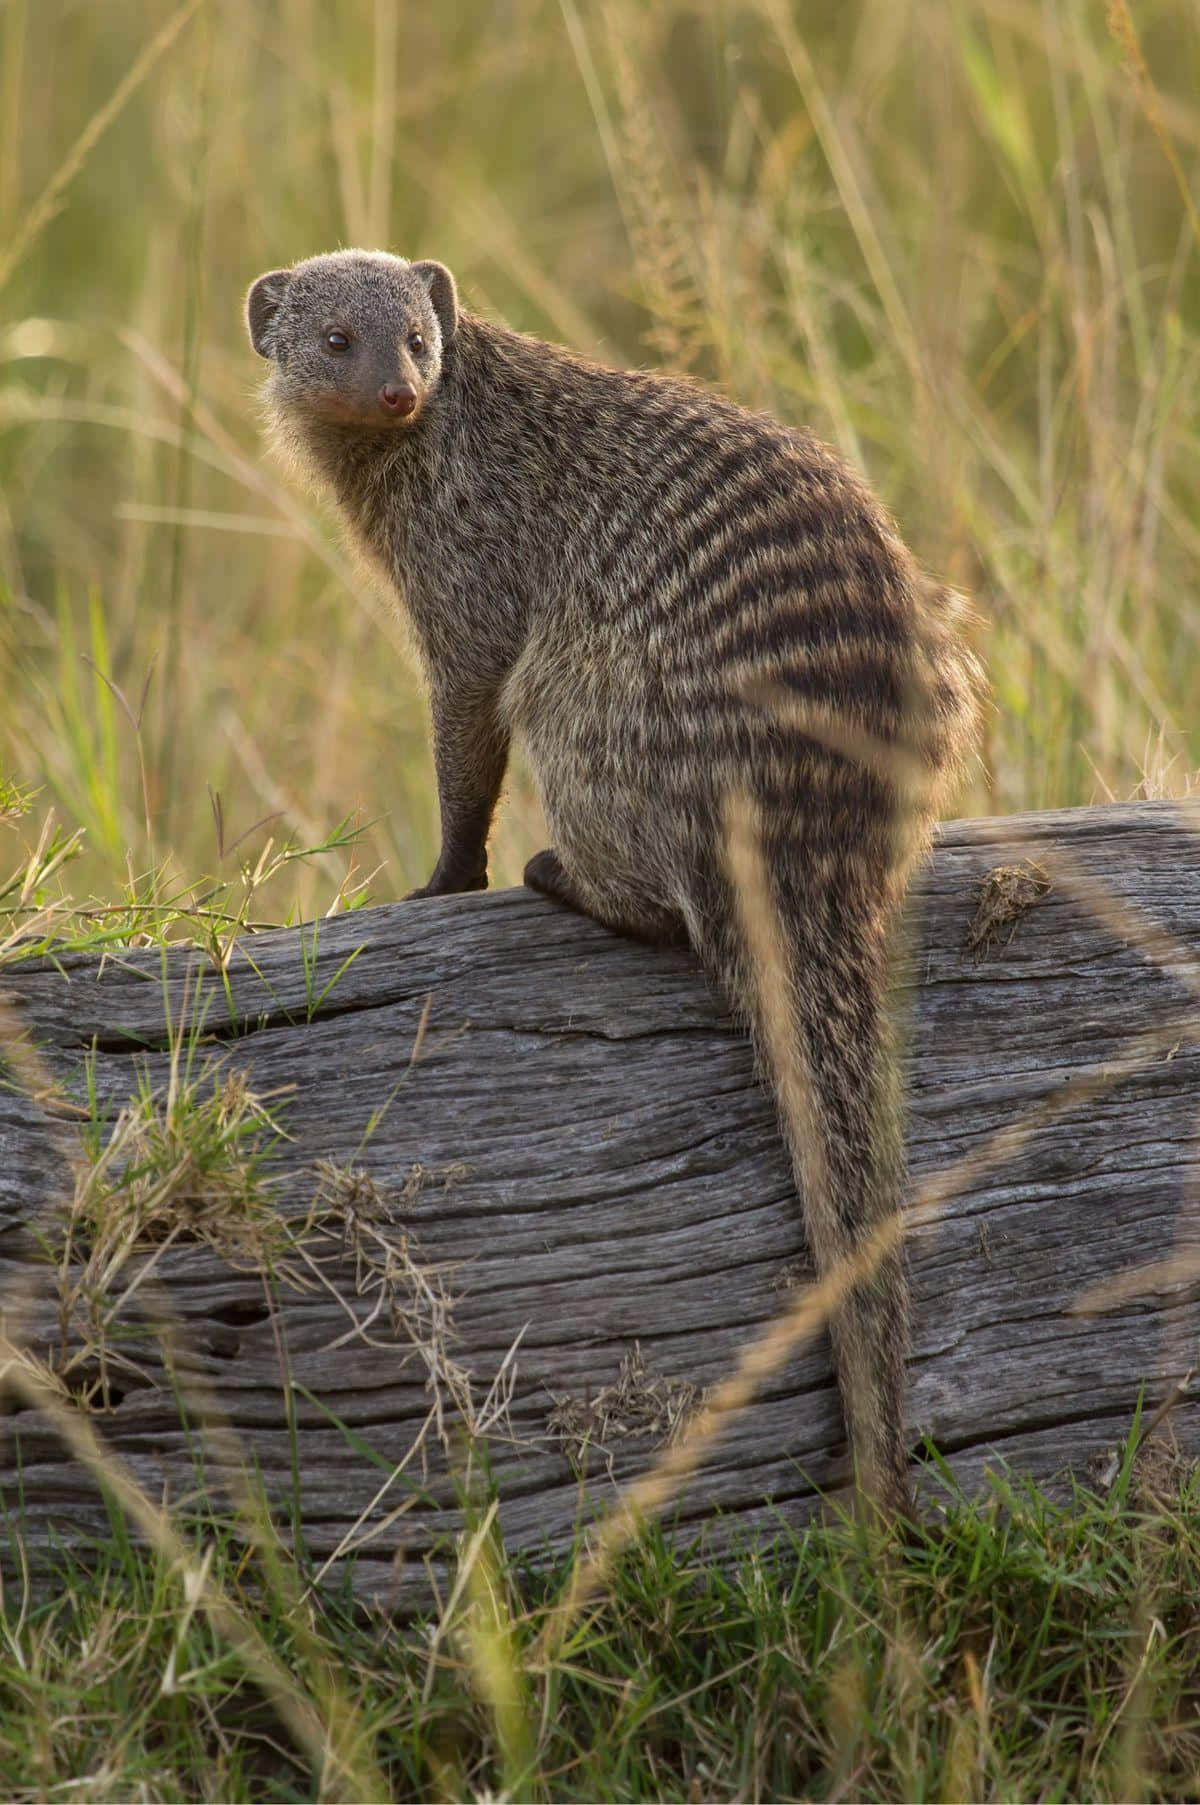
(630, 572)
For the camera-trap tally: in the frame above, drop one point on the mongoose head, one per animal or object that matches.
(355, 338)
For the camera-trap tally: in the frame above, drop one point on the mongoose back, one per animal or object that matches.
(630, 573)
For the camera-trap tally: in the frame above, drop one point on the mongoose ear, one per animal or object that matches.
(443, 294)
(262, 304)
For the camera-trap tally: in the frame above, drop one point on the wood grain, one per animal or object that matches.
(570, 1122)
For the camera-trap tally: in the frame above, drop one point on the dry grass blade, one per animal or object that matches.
(1181, 963)
(20, 1054)
(832, 134)
(1142, 1281)
(1125, 923)
(50, 199)
(253, 476)
(1178, 1394)
(22, 892)
(363, 1530)
(1120, 23)
(891, 760)
(488, 1635)
(768, 958)
(409, 1295)
(599, 106)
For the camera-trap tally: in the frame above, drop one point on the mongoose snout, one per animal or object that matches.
(399, 398)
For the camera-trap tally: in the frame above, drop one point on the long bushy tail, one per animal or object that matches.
(805, 963)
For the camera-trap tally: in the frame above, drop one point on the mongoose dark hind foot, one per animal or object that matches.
(545, 873)
(659, 927)
(677, 605)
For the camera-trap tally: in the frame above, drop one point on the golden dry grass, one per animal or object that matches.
(957, 241)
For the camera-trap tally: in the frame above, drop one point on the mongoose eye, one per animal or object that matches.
(337, 341)
(416, 343)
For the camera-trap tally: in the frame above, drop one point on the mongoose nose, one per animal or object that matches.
(398, 398)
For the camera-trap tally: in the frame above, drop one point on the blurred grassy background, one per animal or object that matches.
(954, 239)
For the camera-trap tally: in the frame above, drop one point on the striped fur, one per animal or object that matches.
(672, 601)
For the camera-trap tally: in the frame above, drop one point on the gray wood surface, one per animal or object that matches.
(576, 1142)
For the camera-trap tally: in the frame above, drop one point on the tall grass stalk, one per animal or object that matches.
(962, 247)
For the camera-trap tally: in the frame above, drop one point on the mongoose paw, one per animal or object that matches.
(448, 884)
(545, 872)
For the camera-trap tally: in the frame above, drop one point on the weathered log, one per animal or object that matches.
(570, 1123)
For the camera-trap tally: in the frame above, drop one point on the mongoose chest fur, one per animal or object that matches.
(684, 609)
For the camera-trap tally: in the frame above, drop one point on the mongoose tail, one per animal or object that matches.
(812, 995)
(801, 942)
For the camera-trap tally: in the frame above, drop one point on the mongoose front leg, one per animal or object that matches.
(470, 752)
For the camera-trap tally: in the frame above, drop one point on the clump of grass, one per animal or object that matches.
(1021, 1648)
(189, 1161)
(198, 1572)
(1003, 898)
(14, 801)
(638, 1403)
(40, 914)
(31, 909)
